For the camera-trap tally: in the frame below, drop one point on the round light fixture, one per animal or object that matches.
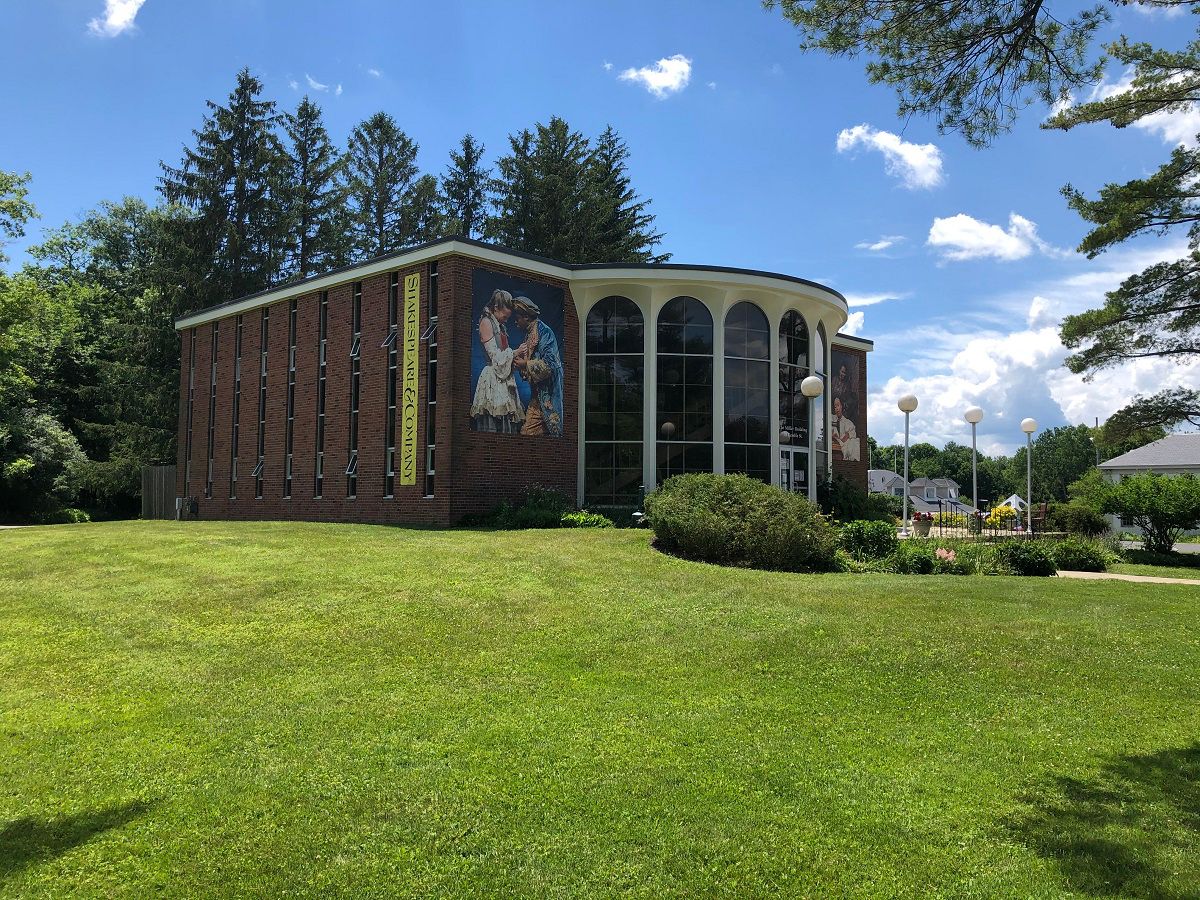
(907, 403)
(1029, 426)
(974, 415)
(812, 386)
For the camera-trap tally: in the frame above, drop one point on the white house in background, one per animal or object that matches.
(1176, 454)
(884, 481)
(937, 495)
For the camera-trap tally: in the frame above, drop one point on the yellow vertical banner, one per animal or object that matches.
(412, 371)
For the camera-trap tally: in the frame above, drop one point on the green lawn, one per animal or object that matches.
(1159, 571)
(210, 709)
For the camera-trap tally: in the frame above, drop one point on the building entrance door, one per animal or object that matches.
(793, 470)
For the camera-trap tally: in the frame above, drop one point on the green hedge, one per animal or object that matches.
(739, 521)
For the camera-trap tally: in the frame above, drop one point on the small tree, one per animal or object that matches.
(1162, 506)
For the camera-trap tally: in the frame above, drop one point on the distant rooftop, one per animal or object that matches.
(1175, 451)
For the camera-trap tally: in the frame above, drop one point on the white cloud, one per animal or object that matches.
(118, 18)
(962, 237)
(607, 66)
(870, 299)
(884, 243)
(314, 84)
(337, 91)
(1178, 128)
(1153, 11)
(1015, 371)
(293, 84)
(712, 85)
(374, 73)
(916, 165)
(669, 75)
(854, 323)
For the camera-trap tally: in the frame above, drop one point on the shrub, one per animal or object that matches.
(948, 561)
(539, 508)
(912, 557)
(67, 515)
(1150, 558)
(950, 520)
(1079, 518)
(1024, 557)
(585, 519)
(845, 501)
(869, 540)
(1076, 554)
(883, 508)
(736, 520)
(1162, 506)
(1001, 516)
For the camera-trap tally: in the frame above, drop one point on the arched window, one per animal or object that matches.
(748, 391)
(684, 408)
(793, 405)
(820, 446)
(612, 456)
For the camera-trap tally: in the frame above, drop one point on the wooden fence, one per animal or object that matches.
(158, 492)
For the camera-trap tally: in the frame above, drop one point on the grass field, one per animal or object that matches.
(209, 709)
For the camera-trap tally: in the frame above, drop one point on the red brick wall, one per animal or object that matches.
(856, 471)
(488, 468)
(475, 471)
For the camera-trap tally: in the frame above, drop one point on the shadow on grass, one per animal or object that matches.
(26, 841)
(1132, 830)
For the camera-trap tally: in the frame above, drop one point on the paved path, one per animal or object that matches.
(1117, 576)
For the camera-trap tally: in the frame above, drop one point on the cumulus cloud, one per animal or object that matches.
(854, 323)
(884, 243)
(918, 166)
(962, 237)
(607, 66)
(1016, 371)
(669, 75)
(1180, 127)
(118, 18)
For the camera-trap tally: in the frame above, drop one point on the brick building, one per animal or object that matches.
(438, 381)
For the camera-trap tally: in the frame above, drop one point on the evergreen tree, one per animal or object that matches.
(380, 170)
(466, 189)
(314, 194)
(558, 196)
(622, 228)
(422, 219)
(231, 181)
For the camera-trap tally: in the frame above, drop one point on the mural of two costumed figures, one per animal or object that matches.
(516, 357)
(843, 387)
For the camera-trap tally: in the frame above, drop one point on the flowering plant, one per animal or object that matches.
(947, 555)
(922, 517)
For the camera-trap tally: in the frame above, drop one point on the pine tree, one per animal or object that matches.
(466, 189)
(558, 196)
(421, 218)
(380, 171)
(231, 181)
(314, 194)
(622, 228)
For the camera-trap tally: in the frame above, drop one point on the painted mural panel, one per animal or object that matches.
(517, 353)
(849, 435)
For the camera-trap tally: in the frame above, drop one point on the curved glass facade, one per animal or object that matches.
(684, 403)
(747, 391)
(793, 405)
(615, 366)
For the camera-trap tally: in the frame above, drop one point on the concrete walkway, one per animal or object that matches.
(1116, 576)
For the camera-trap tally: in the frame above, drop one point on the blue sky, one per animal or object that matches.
(957, 262)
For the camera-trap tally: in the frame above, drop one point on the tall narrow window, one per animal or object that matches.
(288, 444)
(389, 428)
(820, 447)
(191, 404)
(237, 409)
(794, 442)
(214, 335)
(431, 381)
(748, 391)
(355, 378)
(262, 404)
(612, 456)
(322, 362)
(685, 388)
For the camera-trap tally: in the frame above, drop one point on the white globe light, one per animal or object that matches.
(812, 386)
(785, 437)
(907, 403)
(973, 415)
(668, 429)
(1029, 426)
